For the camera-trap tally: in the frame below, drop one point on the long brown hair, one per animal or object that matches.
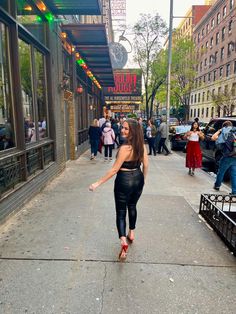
(135, 139)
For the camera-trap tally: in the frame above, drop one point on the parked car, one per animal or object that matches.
(177, 133)
(208, 147)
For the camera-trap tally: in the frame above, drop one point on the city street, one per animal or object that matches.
(59, 254)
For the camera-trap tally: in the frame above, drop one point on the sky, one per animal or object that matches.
(135, 7)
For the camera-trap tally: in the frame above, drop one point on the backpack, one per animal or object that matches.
(220, 142)
(230, 145)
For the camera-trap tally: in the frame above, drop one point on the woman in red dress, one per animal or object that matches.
(194, 154)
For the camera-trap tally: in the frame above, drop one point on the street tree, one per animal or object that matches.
(183, 72)
(225, 101)
(148, 33)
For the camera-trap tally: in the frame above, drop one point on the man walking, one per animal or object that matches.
(163, 131)
(228, 160)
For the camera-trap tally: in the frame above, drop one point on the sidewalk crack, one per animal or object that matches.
(103, 287)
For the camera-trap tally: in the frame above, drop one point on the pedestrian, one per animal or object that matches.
(115, 127)
(163, 135)
(151, 132)
(108, 140)
(95, 134)
(228, 160)
(129, 180)
(193, 150)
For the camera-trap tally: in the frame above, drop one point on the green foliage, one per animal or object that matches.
(149, 30)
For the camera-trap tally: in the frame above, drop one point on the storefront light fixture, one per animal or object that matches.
(83, 65)
(63, 35)
(79, 89)
(28, 8)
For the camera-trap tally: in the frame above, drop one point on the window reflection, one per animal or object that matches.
(41, 94)
(26, 87)
(28, 17)
(7, 139)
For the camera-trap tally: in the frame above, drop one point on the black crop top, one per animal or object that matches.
(132, 164)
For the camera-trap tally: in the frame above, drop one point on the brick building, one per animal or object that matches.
(215, 40)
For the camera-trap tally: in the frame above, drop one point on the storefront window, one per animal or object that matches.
(7, 139)
(28, 17)
(4, 5)
(41, 94)
(27, 92)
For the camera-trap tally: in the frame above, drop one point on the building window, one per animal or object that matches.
(209, 76)
(191, 113)
(211, 42)
(231, 4)
(7, 136)
(218, 18)
(205, 62)
(217, 38)
(224, 11)
(227, 69)
(200, 81)
(195, 98)
(212, 23)
(223, 33)
(203, 96)
(198, 37)
(199, 97)
(191, 99)
(194, 112)
(207, 112)
(230, 48)
(203, 32)
(201, 66)
(234, 67)
(207, 45)
(207, 28)
(230, 26)
(213, 93)
(221, 72)
(216, 56)
(198, 112)
(222, 53)
(208, 95)
(212, 112)
(214, 75)
(204, 78)
(219, 90)
(33, 86)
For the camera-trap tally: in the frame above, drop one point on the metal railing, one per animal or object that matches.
(82, 136)
(17, 168)
(220, 212)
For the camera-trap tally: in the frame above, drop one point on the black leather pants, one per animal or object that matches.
(128, 189)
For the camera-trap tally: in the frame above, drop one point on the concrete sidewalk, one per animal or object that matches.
(59, 254)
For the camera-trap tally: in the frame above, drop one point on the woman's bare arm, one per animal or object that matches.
(123, 154)
(145, 163)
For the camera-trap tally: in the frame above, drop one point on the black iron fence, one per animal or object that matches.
(82, 136)
(220, 212)
(18, 168)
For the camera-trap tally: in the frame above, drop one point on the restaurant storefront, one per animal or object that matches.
(46, 104)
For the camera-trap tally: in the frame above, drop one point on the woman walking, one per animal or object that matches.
(151, 132)
(108, 140)
(129, 181)
(94, 137)
(194, 154)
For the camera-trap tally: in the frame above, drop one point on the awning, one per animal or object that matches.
(90, 41)
(74, 7)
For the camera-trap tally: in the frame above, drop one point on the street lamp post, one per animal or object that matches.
(169, 70)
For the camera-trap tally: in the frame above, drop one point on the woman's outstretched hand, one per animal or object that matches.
(93, 186)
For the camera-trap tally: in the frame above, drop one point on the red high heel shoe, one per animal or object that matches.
(123, 252)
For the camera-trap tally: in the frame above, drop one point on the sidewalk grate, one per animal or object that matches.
(220, 212)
